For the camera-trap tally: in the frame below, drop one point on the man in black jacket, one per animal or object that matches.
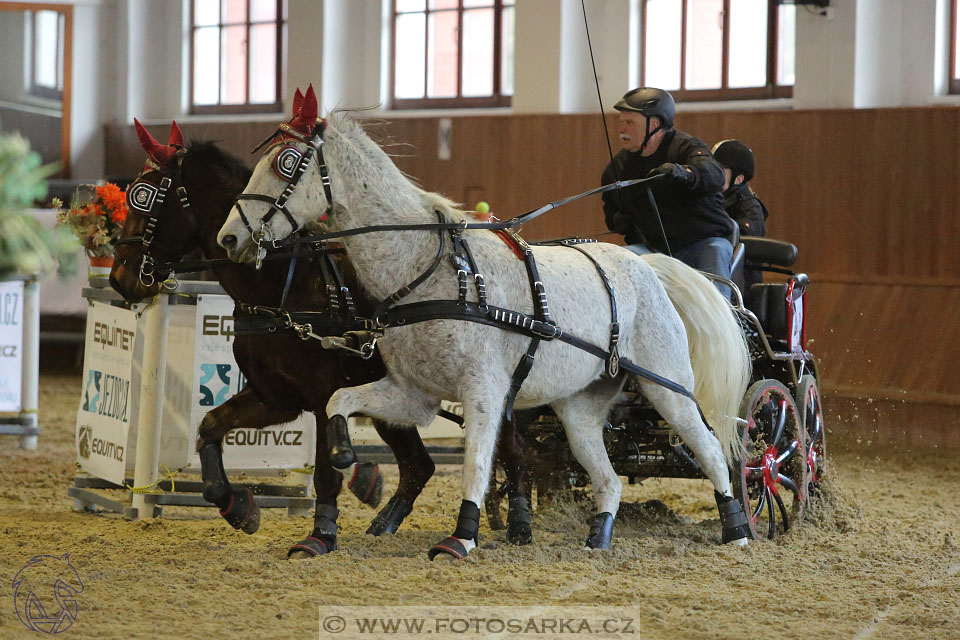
(741, 203)
(692, 226)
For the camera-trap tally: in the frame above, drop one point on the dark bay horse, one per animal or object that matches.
(285, 375)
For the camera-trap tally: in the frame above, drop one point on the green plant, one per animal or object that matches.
(25, 245)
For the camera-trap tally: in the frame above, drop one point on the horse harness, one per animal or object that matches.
(146, 198)
(538, 327)
(290, 164)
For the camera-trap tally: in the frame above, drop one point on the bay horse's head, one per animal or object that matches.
(166, 221)
(291, 179)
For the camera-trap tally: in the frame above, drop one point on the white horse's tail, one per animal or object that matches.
(718, 349)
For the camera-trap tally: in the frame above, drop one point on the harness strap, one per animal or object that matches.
(286, 285)
(342, 290)
(519, 375)
(415, 312)
(405, 290)
(613, 362)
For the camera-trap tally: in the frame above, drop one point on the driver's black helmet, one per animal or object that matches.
(650, 102)
(736, 156)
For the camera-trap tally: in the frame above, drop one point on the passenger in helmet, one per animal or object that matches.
(740, 201)
(693, 225)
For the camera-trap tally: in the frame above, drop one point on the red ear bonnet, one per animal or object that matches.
(161, 153)
(297, 102)
(306, 119)
(176, 136)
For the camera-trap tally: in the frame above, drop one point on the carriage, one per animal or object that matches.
(781, 415)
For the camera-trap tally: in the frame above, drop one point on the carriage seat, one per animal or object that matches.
(768, 301)
(766, 250)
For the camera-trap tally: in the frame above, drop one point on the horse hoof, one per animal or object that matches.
(310, 547)
(449, 548)
(740, 542)
(390, 517)
(242, 512)
(367, 483)
(601, 531)
(520, 535)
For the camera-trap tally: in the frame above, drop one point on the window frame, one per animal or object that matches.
(246, 107)
(953, 81)
(38, 90)
(771, 90)
(458, 102)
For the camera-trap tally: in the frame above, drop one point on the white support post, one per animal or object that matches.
(30, 366)
(156, 324)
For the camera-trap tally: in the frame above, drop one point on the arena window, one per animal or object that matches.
(46, 33)
(236, 55)
(719, 49)
(452, 53)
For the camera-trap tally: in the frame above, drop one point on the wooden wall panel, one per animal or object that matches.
(869, 196)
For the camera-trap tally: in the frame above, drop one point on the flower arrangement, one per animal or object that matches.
(95, 216)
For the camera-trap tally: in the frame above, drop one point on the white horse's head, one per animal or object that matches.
(289, 188)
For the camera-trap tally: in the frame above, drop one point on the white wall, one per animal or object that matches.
(129, 58)
(351, 54)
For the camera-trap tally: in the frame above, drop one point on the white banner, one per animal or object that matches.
(103, 418)
(217, 378)
(11, 344)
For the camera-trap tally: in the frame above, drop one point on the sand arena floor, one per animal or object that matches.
(878, 558)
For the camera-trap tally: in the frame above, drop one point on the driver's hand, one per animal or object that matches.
(674, 173)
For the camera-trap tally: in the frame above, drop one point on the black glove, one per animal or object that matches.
(673, 173)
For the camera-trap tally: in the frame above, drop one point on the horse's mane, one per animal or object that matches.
(207, 152)
(343, 121)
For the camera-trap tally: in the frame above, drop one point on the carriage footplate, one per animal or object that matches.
(367, 483)
(601, 531)
(390, 517)
(732, 519)
(468, 528)
(323, 539)
(519, 531)
(338, 443)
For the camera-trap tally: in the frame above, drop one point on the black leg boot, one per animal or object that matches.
(323, 538)
(601, 531)
(338, 441)
(236, 506)
(732, 518)
(468, 528)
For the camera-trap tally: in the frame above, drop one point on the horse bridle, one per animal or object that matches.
(147, 198)
(289, 164)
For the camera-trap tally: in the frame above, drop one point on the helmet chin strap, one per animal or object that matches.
(648, 134)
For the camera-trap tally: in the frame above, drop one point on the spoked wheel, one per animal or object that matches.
(811, 415)
(772, 475)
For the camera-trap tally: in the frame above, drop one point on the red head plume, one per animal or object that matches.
(161, 153)
(306, 119)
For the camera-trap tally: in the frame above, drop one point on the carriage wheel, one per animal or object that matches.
(772, 472)
(811, 413)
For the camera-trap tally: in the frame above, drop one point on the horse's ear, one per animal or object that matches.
(161, 152)
(307, 118)
(297, 102)
(176, 136)
(147, 141)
